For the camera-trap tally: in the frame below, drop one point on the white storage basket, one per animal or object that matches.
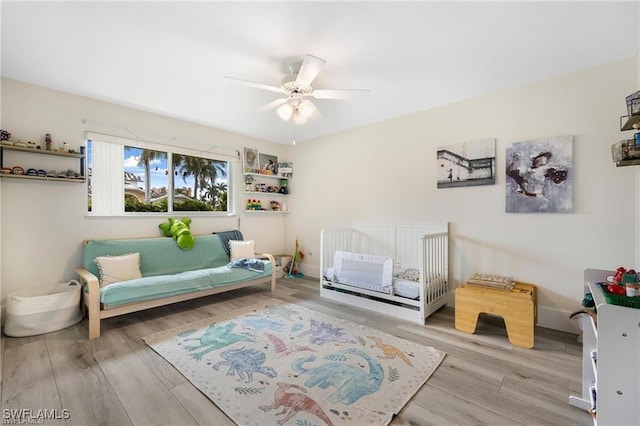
(40, 310)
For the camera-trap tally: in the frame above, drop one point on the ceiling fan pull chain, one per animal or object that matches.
(294, 132)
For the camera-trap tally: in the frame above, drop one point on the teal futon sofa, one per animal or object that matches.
(121, 276)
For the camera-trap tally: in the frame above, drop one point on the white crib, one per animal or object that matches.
(423, 246)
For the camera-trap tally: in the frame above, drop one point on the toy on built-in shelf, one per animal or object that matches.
(283, 186)
(248, 182)
(259, 171)
(4, 137)
(624, 283)
(253, 204)
(285, 170)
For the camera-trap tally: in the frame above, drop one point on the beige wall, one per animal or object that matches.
(386, 171)
(43, 223)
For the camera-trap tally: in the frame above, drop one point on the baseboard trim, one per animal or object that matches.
(557, 320)
(554, 319)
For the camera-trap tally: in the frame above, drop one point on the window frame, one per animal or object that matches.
(170, 151)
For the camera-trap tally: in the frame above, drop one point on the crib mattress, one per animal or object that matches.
(364, 271)
(406, 288)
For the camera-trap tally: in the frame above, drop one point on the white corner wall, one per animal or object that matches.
(44, 223)
(386, 171)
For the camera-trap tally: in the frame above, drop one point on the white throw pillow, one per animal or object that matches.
(118, 268)
(242, 249)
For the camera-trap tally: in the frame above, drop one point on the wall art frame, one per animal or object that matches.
(466, 164)
(250, 160)
(539, 176)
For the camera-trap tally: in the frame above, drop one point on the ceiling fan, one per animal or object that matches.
(297, 87)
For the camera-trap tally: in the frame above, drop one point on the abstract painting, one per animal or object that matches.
(540, 176)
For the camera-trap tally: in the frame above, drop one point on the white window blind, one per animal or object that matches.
(107, 178)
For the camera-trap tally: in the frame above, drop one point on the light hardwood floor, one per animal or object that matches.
(116, 379)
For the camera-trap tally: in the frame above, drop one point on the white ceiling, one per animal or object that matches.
(170, 57)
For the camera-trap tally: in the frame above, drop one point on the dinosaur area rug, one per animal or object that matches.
(281, 363)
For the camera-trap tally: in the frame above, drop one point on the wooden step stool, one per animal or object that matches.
(517, 307)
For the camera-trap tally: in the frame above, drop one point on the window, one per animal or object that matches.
(126, 177)
(146, 186)
(199, 183)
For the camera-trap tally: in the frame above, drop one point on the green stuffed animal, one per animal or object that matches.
(179, 230)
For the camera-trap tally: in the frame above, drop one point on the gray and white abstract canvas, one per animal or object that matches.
(540, 176)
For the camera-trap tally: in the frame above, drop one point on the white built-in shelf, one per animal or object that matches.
(41, 151)
(276, 194)
(264, 175)
(71, 155)
(12, 176)
(265, 211)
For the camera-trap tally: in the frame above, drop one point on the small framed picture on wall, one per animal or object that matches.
(251, 160)
(269, 164)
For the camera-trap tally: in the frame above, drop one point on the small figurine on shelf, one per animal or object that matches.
(275, 206)
(47, 141)
(4, 135)
(283, 186)
(253, 204)
(64, 147)
(248, 182)
(285, 169)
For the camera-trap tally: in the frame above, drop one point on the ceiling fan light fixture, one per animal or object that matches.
(299, 119)
(305, 109)
(296, 87)
(285, 111)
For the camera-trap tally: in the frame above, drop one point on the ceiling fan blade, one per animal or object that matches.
(273, 104)
(340, 93)
(252, 84)
(309, 70)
